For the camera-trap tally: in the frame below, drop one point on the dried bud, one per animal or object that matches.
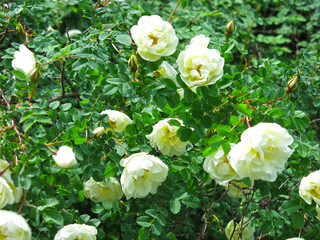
(35, 75)
(134, 64)
(98, 132)
(229, 28)
(292, 84)
(19, 28)
(156, 74)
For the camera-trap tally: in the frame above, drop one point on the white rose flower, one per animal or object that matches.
(199, 65)
(165, 138)
(262, 152)
(142, 174)
(200, 40)
(238, 190)
(16, 191)
(295, 238)
(24, 60)
(6, 193)
(118, 121)
(310, 188)
(247, 231)
(154, 37)
(101, 191)
(219, 168)
(65, 157)
(13, 226)
(77, 232)
(167, 71)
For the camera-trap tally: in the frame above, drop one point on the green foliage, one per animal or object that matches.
(88, 73)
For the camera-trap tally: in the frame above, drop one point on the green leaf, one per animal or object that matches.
(156, 228)
(53, 216)
(144, 221)
(124, 39)
(54, 105)
(244, 109)
(291, 206)
(110, 90)
(184, 133)
(191, 201)
(143, 234)
(45, 203)
(19, 74)
(110, 170)
(65, 107)
(175, 206)
(297, 220)
(44, 119)
(28, 124)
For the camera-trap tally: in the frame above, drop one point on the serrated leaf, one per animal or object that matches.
(144, 221)
(191, 201)
(124, 39)
(54, 216)
(175, 206)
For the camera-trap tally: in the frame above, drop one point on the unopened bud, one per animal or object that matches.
(134, 64)
(35, 75)
(98, 132)
(156, 74)
(292, 84)
(229, 28)
(19, 28)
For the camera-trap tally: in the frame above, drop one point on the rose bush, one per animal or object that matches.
(244, 69)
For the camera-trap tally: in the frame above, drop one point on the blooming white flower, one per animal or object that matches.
(310, 188)
(98, 132)
(219, 168)
(237, 189)
(247, 231)
(142, 174)
(262, 152)
(24, 60)
(199, 65)
(165, 138)
(201, 40)
(6, 193)
(101, 191)
(13, 226)
(7, 187)
(118, 121)
(295, 238)
(154, 37)
(77, 232)
(65, 157)
(167, 71)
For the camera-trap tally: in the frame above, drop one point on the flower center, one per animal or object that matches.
(315, 192)
(171, 133)
(113, 124)
(198, 68)
(154, 39)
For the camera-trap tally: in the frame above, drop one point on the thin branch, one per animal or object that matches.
(62, 78)
(174, 10)
(67, 95)
(60, 70)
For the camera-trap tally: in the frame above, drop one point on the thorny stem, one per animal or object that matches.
(12, 121)
(23, 197)
(276, 100)
(174, 10)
